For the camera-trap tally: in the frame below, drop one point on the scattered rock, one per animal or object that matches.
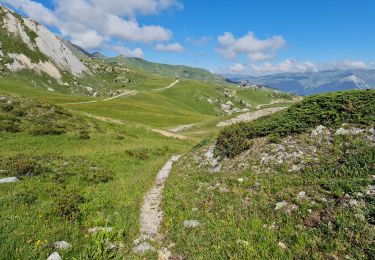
(164, 254)
(9, 180)
(281, 205)
(282, 245)
(143, 248)
(191, 223)
(318, 131)
(99, 229)
(295, 168)
(62, 245)
(302, 195)
(223, 189)
(54, 256)
(370, 190)
(353, 203)
(171, 245)
(352, 131)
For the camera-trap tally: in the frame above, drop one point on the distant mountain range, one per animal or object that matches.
(314, 82)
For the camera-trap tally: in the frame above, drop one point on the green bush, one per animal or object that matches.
(67, 205)
(330, 110)
(23, 166)
(96, 175)
(29, 115)
(46, 130)
(84, 135)
(139, 153)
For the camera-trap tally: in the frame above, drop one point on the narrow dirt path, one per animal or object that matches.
(169, 134)
(250, 116)
(170, 86)
(151, 212)
(127, 93)
(181, 127)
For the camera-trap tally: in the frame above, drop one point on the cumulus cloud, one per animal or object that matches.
(174, 47)
(236, 68)
(91, 23)
(35, 10)
(288, 65)
(137, 52)
(295, 66)
(134, 7)
(255, 49)
(345, 64)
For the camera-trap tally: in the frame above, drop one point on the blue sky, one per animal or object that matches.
(290, 35)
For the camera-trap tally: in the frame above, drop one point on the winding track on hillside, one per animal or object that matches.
(250, 116)
(127, 93)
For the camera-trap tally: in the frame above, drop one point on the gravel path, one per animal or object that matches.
(250, 116)
(151, 213)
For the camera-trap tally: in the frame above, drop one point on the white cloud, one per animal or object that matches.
(88, 39)
(295, 66)
(255, 49)
(35, 10)
(288, 65)
(131, 8)
(100, 21)
(236, 68)
(174, 47)
(137, 52)
(346, 64)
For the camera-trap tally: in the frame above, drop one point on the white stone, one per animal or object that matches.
(302, 195)
(240, 180)
(99, 229)
(164, 254)
(281, 205)
(9, 180)
(282, 245)
(54, 256)
(62, 245)
(143, 248)
(191, 223)
(318, 131)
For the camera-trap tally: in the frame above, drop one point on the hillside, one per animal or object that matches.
(290, 189)
(26, 44)
(112, 158)
(310, 83)
(171, 71)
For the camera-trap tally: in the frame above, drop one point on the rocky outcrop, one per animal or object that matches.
(58, 57)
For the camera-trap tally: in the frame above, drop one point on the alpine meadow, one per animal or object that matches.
(172, 129)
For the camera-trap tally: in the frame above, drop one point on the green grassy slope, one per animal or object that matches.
(171, 71)
(330, 110)
(70, 182)
(308, 194)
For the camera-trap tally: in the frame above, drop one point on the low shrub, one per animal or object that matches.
(330, 110)
(67, 205)
(84, 135)
(23, 166)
